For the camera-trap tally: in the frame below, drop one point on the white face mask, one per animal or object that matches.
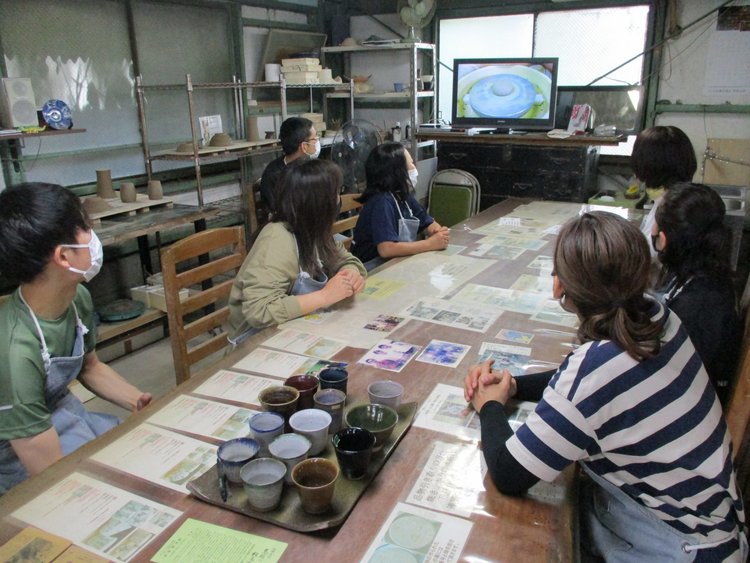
(316, 153)
(97, 257)
(413, 176)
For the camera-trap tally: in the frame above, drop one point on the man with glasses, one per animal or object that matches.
(300, 142)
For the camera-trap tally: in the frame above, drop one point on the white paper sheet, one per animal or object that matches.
(305, 343)
(273, 363)
(160, 456)
(446, 411)
(451, 480)
(99, 517)
(453, 313)
(204, 418)
(522, 302)
(235, 386)
(414, 534)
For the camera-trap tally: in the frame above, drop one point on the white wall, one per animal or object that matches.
(684, 78)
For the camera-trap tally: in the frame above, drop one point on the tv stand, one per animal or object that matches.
(503, 131)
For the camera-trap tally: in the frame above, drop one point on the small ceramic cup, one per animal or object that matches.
(353, 450)
(264, 427)
(290, 449)
(386, 393)
(332, 401)
(155, 191)
(307, 385)
(313, 424)
(315, 479)
(232, 455)
(281, 399)
(263, 480)
(333, 378)
(127, 192)
(378, 419)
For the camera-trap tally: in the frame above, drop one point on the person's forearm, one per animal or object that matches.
(509, 476)
(37, 453)
(395, 249)
(106, 383)
(531, 387)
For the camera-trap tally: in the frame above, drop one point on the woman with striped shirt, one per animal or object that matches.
(633, 404)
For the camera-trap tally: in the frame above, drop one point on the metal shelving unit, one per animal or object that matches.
(414, 97)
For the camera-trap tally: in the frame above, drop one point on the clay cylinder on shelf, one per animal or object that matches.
(127, 192)
(155, 190)
(253, 134)
(104, 184)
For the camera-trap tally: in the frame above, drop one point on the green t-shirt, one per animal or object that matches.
(23, 412)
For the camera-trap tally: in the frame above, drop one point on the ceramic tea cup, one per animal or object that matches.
(378, 419)
(313, 424)
(232, 455)
(281, 399)
(353, 450)
(264, 427)
(263, 480)
(386, 393)
(315, 479)
(307, 385)
(333, 378)
(127, 192)
(332, 401)
(290, 449)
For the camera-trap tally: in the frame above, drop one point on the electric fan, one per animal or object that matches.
(350, 149)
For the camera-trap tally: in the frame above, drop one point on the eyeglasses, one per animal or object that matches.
(313, 140)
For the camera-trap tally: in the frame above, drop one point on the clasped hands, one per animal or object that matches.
(482, 384)
(345, 283)
(439, 237)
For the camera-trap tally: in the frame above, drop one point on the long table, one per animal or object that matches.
(539, 527)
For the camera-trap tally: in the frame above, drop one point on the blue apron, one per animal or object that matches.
(75, 426)
(303, 284)
(623, 531)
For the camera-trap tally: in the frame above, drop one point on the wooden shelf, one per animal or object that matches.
(45, 133)
(108, 331)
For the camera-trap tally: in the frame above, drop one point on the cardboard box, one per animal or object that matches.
(158, 299)
(141, 293)
(727, 162)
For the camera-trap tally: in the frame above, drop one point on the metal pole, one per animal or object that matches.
(196, 157)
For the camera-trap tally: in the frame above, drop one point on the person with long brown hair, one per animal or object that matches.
(632, 404)
(295, 266)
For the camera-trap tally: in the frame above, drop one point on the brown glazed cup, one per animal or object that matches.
(307, 385)
(315, 479)
(281, 399)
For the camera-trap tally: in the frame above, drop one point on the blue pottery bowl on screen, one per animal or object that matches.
(56, 114)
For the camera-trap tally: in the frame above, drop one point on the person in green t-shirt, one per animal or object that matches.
(47, 332)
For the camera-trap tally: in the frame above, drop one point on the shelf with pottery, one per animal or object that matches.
(413, 94)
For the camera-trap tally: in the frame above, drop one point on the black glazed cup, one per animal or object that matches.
(353, 450)
(333, 378)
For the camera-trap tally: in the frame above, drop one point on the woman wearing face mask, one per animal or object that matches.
(47, 332)
(392, 217)
(693, 245)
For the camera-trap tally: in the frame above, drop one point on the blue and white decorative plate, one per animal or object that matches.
(57, 114)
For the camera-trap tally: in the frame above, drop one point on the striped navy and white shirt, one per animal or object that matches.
(652, 428)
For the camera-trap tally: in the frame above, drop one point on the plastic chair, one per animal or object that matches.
(210, 300)
(352, 207)
(453, 196)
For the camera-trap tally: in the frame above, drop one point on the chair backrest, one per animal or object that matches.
(207, 295)
(348, 205)
(454, 196)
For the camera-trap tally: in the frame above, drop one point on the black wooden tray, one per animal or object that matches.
(289, 513)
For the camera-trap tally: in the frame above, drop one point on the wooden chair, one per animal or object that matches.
(348, 203)
(738, 415)
(211, 298)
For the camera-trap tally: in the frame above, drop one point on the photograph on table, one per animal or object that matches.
(447, 354)
(390, 355)
(515, 336)
(513, 358)
(384, 323)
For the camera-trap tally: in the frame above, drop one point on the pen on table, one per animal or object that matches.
(223, 488)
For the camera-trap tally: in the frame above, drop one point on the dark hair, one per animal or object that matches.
(698, 240)
(308, 201)
(294, 131)
(603, 262)
(662, 156)
(34, 219)
(386, 171)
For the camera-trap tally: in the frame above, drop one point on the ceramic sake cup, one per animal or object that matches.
(378, 419)
(232, 455)
(315, 479)
(313, 424)
(264, 427)
(353, 451)
(263, 481)
(307, 385)
(332, 401)
(290, 449)
(386, 393)
(281, 399)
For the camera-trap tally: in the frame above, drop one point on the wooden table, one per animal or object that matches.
(538, 527)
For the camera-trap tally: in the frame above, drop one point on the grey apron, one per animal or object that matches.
(75, 426)
(408, 228)
(303, 284)
(623, 531)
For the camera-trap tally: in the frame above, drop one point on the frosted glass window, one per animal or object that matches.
(491, 37)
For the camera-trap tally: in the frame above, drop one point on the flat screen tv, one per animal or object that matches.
(613, 105)
(506, 95)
